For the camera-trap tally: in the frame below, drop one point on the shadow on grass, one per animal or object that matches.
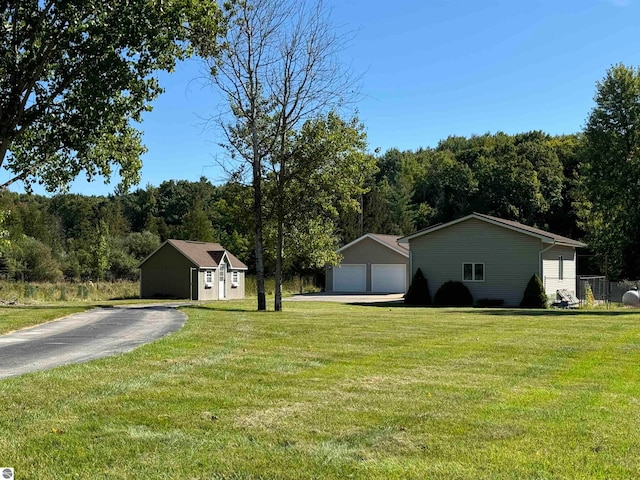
(554, 312)
(214, 307)
(504, 311)
(38, 307)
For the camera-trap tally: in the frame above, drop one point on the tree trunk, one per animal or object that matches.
(277, 305)
(257, 217)
(280, 206)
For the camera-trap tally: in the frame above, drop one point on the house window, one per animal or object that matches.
(208, 277)
(560, 267)
(234, 277)
(473, 272)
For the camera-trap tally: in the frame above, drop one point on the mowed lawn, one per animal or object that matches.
(337, 391)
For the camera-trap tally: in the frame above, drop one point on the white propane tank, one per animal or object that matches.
(631, 298)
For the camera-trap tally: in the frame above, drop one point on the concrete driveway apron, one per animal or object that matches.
(86, 336)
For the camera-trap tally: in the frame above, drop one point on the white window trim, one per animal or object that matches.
(473, 272)
(235, 276)
(209, 278)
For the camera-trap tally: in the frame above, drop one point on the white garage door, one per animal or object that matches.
(391, 278)
(350, 278)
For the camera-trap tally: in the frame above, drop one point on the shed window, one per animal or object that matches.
(560, 267)
(208, 276)
(234, 277)
(473, 272)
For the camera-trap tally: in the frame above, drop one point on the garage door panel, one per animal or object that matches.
(388, 278)
(350, 278)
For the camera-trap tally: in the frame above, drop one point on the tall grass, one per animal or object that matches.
(289, 286)
(29, 292)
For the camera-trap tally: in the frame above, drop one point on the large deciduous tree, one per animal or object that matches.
(325, 176)
(279, 69)
(75, 74)
(610, 172)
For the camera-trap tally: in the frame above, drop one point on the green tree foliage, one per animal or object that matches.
(610, 173)
(418, 293)
(520, 177)
(140, 244)
(534, 294)
(325, 176)
(74, 75)
(448, 187)
(30, 260)
(196, 225)
(100, 251)
(453, 294)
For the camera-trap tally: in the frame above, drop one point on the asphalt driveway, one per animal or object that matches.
(347, 297)
(86, 336)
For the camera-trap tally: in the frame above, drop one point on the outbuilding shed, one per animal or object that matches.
(193, 270)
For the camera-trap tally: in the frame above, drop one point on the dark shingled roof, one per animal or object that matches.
(206, 254)
(535, 231)
(391, 240)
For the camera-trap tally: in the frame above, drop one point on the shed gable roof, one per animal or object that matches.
(389, 241)
(202, 254)
(543, 235)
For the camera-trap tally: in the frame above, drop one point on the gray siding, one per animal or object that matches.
(203, 292)
(551, 270)
(235, 292)
(510, 258)
(367, 252)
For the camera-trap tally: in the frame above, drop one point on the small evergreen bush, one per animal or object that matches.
(453, 294)
(418, 293)
(534, 295)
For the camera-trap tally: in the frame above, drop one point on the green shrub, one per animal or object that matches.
(418, 293)
(453, 294)
(534, 295)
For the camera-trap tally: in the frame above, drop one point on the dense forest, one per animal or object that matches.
(530, 177)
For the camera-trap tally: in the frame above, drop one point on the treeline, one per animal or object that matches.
(530, 177)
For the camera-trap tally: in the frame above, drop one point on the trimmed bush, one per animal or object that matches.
(453, 294)
(534, 295)
(418, 293)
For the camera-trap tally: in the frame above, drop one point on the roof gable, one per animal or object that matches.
(544, 236)
(388, 241)
(202, 254)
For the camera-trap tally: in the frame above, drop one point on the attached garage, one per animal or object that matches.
(350, 278)
(372, 263)
(388, 278)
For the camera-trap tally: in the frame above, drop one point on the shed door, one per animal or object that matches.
(350, 278)
(222, 284)
(389, 278)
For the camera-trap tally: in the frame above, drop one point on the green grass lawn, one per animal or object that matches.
(336, 391)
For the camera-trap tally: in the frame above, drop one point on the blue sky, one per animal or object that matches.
(430, 69)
